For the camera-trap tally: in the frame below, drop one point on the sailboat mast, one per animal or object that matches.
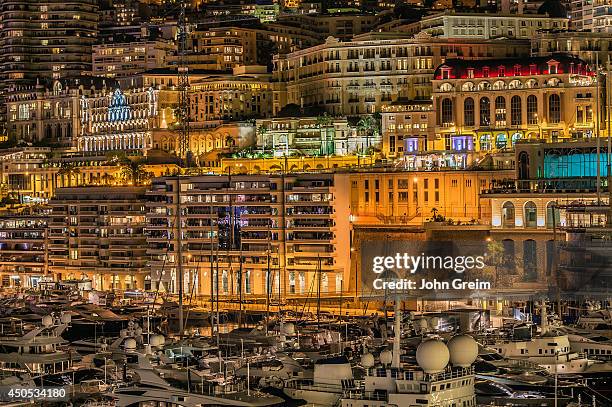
(318, 291)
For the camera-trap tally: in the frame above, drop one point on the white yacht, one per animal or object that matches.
(34, 350)
(151, 389)
(435, 382)
(331, 378)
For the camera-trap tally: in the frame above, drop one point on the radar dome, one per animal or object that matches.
(432, 356)
(158, 340)
(386, 357)
(423, 324)
(66, 318)
(367, 360)
(463, 350)
(129, 343)
(433, 322)
(47, 321)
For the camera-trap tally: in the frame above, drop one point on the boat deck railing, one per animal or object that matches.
(309, 384)
(365, 395)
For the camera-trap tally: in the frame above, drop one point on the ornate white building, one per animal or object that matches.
(118, 120)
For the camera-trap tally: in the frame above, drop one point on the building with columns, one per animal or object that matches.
(360, 76)
(49, 113)
(118, 120)
(488, 105)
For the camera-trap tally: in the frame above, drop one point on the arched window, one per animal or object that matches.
(508, 215)
(485, 111)
(446, 87)
(515, 137)
(225, 281)
(553, 216)
(484, 85)
(247, 282)
(550, 254)
(523, 165)
(554, 108)
(500, 111)
(516, 116)
(467, 87)
(468, 112)
(501, 141)
(532, 109)
(530, 260)
(499, 85)
(509, 255)
(530, 215)
(447, 111)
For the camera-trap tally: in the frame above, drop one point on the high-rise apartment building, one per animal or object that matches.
(23, 254)
(97, 233)
(46, 39)
(282, 234)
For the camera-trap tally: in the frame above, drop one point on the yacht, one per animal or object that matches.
(331, 378)
(434, 382)
(149, 388)
(35, 350)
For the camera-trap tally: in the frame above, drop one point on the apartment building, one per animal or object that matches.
(97, 233)
(246, 93)
(23, 248)
(46, 39)
(359, 76)
(451, 24)
(250, 233)
(592, 15)
(592, 47)
(488, 105)
(126, 59)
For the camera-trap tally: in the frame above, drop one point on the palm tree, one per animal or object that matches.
(69, 170)
(134, 170)
(323, 122)
(262, 130)
(367, 125)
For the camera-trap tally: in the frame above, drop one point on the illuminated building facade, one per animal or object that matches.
(118, 120)
(591, 47)
(409, 197)
(360, 76)
(121, 60)
(408, 128)
(51, 114)
(312, 136)
(97, 233)
(488, 105)
(245, 94)
(46, 39)
(451, 24)
(23, 249)
(276, 231)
